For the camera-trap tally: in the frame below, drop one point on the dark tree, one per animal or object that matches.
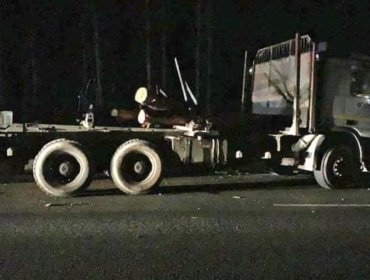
(30, 66)
(98, 60)
(209, 88)
(148, 47)
(198, 48)
(163, 33)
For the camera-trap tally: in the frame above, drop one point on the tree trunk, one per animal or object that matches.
(30, 97)
(198, 50)
(164, 45)
(2, 105)
(148, 60)
(209, 57)
(34, 69)
(85, 56)
(98, 61)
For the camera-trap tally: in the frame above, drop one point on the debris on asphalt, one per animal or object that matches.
(228, 173)
(238, 197)
(159, 194)
(138, 236)
(64, 204)
(220, 178)
(194, 217)
(221, 172)
(51, 204)
(198, 209)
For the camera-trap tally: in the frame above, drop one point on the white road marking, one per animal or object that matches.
(320, 205)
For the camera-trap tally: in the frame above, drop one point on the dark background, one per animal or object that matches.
(50, 49)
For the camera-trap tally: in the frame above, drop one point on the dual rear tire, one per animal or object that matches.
(62, 167)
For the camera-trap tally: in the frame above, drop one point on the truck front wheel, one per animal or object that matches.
(61, 168)
(136, 167)
(338, 169)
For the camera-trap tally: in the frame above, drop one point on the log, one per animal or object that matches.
(158, 102)
(142, 96)
(122, 115)
(148, 117)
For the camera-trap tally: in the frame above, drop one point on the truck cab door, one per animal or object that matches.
(357, 102)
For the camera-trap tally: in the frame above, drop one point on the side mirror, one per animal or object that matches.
(322, 47)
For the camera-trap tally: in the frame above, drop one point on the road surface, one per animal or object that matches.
(220, 227)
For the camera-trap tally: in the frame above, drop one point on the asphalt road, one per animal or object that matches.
(221, 227)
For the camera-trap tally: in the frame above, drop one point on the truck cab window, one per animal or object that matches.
(360, 84)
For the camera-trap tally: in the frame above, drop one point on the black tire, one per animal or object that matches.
(338, 169)
(136, 167)
(61, 168)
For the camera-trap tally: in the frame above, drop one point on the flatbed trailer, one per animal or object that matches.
(65, 157)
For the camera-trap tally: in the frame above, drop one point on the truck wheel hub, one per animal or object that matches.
(338, 167)
(140, 167)
(66, 169)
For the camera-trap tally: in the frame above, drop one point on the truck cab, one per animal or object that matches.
(321, 109)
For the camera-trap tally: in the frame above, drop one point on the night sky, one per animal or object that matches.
(48, 48)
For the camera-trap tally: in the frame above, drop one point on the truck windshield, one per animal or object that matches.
(360, 85)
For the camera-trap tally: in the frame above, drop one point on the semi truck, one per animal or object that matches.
(308, 113)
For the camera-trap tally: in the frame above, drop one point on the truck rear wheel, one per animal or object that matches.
(338, 169)
(61, 168)
(136, 167)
